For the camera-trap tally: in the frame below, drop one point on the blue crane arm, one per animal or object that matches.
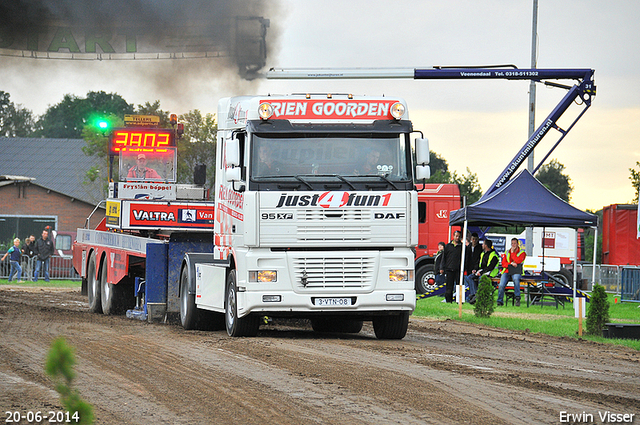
(584, 89)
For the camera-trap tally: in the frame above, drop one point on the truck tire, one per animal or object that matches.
(565, 276)
(115, 297)
(425, 279)
(338, 325)
(236, 326)
(391, 327)
(189, 313)
(107, 290)
(93, 286)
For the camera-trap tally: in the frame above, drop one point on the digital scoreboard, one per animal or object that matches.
(141, 140)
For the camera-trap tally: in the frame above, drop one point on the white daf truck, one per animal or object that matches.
(316, 216)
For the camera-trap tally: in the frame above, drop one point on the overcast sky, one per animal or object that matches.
(476, 124)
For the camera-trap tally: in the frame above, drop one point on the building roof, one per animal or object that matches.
(56, 164)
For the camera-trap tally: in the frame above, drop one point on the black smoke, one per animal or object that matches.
(238, 30)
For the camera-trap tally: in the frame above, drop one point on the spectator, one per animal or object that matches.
(44, 250)
(28, 254)
(472, 260)
(512, 271)
(452, 256)
(14, 260)
(141, 171)
(437, 264)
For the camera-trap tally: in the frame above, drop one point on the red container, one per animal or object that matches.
(619, 243)
(435, 203)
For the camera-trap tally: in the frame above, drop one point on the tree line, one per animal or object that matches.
(73, 117)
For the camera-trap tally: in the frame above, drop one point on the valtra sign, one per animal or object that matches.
(169, 215)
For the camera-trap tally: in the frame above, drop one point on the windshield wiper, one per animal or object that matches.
(383, 177)
(278, 177)
(339, 177)
(300, 179)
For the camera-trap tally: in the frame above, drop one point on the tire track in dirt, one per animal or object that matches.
(441, 373)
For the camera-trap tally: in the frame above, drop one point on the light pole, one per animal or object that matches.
(532, 111)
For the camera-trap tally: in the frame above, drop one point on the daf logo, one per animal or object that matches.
(388, 216)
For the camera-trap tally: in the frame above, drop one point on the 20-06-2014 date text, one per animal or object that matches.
(38, 417)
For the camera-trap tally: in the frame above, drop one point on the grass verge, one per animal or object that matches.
(545, 320)
(54, 283)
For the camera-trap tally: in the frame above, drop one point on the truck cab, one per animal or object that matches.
(316, 213)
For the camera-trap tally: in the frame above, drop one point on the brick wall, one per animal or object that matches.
(31, 199)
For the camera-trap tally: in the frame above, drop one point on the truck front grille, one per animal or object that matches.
(343, 273)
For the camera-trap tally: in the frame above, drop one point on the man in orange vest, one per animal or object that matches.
(512, 271)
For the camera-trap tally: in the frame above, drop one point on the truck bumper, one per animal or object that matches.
(289, 303)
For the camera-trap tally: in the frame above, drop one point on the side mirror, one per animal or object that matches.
(423, 172)
(232, 152)
(422, 151)
(233, 174)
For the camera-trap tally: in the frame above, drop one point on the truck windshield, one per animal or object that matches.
(320, 157)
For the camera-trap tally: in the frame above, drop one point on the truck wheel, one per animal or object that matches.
(565, 276)
(236, 326)
(188, 310)
(93, 286)
(107, 290)
(115, 297)
(391, 327)
(425, 279)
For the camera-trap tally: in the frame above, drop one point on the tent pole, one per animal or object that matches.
(575, 264)
(461, 293)
(595, 253)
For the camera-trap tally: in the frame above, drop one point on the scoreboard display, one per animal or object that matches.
(141, 140)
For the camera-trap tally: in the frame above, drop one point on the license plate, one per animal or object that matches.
(332, 302)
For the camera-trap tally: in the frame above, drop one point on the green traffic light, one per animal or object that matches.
(103, 124)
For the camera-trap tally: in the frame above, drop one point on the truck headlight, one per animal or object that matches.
(397, 110)
(400, 275)
(263, 276)
(265, 111)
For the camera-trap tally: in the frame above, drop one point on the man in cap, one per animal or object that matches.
(141, 171)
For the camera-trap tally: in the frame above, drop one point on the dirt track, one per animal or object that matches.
(441, 373)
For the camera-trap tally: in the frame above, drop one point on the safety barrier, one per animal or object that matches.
(630, 284)
(59, 268)
(607, 275)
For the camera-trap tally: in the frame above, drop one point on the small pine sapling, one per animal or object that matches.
(59, 367)
(598, 311)
(484, 298)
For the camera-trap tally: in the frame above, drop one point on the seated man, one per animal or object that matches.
(141, 171)
(370, 165)
(511, 271)
(266, 165)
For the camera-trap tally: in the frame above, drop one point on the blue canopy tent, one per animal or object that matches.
(523, 201)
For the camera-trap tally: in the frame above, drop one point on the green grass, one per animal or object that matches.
(545, 320)
(53, 283)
